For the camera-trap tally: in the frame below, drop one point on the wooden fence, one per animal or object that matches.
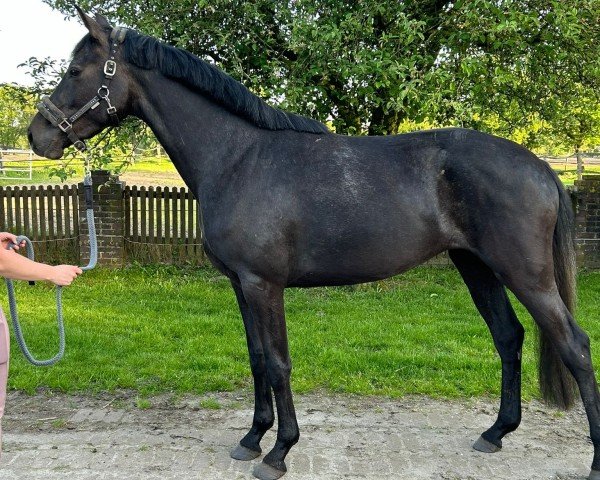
(161, 225)
(47, 215)
(158, 224)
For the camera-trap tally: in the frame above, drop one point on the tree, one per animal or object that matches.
(577, 122)
(368, 66)
(533, 68)
(16, 111)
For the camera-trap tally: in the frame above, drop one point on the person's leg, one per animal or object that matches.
(4, 356)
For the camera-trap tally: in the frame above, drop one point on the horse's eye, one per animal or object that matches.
(74, 72)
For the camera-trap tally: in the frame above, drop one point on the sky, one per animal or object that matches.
(30, 28)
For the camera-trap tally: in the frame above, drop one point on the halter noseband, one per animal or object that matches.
(58, 119)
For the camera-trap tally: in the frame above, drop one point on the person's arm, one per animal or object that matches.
(18, 267)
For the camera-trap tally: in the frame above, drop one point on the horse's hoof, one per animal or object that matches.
(594, 475)
(482, 445)
(244, 453)
(264, 471)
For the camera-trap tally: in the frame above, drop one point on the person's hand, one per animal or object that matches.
(7, 238)
(63, 275)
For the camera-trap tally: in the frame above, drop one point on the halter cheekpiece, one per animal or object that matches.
(56, 116)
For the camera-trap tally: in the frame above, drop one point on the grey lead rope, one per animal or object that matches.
(89, 213)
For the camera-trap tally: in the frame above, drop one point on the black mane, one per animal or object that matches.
(148, 53)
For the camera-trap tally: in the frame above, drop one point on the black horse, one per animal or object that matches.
(286, 203)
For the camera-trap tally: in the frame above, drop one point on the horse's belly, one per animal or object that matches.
(364, 263)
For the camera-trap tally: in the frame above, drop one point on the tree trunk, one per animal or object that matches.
(579, 165)
(384, 123)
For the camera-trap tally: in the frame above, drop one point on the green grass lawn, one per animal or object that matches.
(164, 329)
(568, 173)
(152, 165)
(22, 178)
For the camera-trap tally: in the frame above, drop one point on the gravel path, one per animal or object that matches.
(49, 437)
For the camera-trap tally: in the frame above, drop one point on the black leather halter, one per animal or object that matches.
(59, 119)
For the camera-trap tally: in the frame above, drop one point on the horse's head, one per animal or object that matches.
(93, 91)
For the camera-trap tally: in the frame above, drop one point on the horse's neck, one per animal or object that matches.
(203, 140)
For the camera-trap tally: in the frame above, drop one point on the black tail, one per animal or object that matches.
(557, 385)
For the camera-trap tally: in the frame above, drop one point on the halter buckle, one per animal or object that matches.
(64, 125)
(110, 68)
(111, 110)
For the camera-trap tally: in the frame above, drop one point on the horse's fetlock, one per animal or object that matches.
(289, 437)
(264, 423)
(511, 426)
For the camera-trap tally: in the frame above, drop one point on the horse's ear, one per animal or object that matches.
(96, 28)
(103, 22)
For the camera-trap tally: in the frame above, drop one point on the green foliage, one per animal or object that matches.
(525, 69)
(46, 73)
(530, 72)
(119, 143)
(16, 110)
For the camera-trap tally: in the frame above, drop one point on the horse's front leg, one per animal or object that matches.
(265, 301)
(249, 446)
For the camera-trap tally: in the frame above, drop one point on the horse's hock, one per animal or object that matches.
(586, 199)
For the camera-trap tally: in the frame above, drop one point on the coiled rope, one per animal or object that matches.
(12, 302)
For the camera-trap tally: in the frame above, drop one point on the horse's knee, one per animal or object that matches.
(279, 371)
(518, 335)
(257, 363)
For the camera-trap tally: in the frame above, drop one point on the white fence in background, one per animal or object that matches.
(16, 164)
(589, 158)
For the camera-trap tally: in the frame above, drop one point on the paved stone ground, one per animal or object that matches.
(50, 437)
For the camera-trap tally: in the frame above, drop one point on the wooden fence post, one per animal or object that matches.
(109, 215)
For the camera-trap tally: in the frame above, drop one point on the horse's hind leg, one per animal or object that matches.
(491, 300)
(573, 346)
(249, 447)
